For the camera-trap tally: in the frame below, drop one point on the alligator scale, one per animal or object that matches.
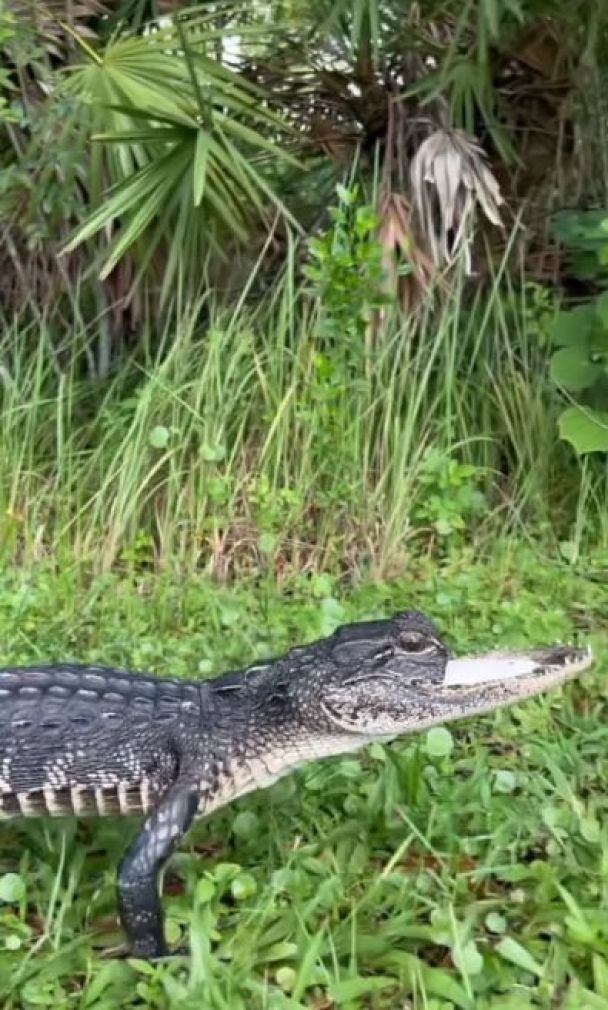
(86, 740)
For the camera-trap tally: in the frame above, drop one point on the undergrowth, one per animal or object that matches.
(253, 439)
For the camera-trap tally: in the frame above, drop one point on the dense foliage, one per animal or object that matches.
(194, 312)
(186, 138)
(304, 314)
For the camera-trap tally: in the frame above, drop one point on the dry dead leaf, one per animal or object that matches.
(450, 181)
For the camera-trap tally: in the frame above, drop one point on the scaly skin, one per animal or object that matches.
(86, 740)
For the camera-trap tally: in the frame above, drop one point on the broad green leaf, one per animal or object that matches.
(439, 742)
(307, 963)
(243, 887)
(285, 978)
(267, 542)
(245, 824)
(332, 614)
(496, 922)
(467, 958)
(172, 931)
(490, 16)
(205, 889)
(512, 951)
(601, 308)
(504, 780)
(570, 367)
(585, 429)
(159, 437)
(572, 327)
(12, 888)
(213, 452)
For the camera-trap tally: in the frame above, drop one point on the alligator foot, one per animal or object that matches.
(138, 901)
(124, 951)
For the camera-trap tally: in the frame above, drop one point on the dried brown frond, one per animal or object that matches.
(49, 17)
(450, 181)
(400, 249)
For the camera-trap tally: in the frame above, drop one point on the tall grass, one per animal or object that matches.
(245, 442)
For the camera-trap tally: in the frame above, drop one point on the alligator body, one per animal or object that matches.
(87, 740)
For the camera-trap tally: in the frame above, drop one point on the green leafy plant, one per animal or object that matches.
(346, 271)
(580, 334)
(584, 234)
(184, 143)
(251, 424)
(448, 493)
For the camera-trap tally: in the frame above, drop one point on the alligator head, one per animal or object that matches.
(375, 680)
(384, 678)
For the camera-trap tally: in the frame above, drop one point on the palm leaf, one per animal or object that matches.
(195, 139)
(449, 181)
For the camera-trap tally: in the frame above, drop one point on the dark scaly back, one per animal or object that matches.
(91, 740)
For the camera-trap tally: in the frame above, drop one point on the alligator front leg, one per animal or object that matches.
(138, 899)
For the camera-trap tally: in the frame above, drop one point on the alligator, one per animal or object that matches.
(88, 740)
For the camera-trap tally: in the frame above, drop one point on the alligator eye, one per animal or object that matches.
(415, 643)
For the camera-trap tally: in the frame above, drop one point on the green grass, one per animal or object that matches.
(473, 879)
(248, 442)
(243, 443)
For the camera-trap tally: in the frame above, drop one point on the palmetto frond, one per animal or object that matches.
(185, 146)
(450, 181)
(400, 245)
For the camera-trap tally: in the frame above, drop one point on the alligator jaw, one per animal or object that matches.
(553, 663)
(483, 682)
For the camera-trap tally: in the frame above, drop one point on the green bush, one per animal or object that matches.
(580, 364)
